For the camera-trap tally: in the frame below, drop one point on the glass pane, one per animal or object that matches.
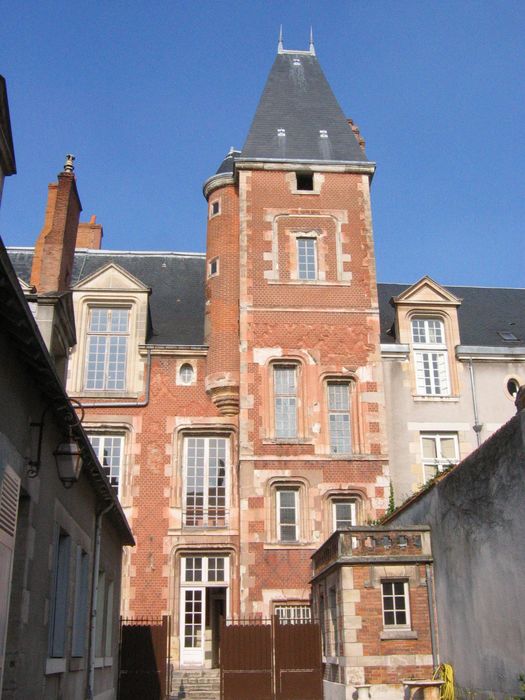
(429, 448)
(448, 448)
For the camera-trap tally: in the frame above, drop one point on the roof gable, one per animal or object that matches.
(113, 277)
(428, 293)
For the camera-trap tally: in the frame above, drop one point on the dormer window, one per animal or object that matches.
(107, 348)
(305, 181)
(431, 357)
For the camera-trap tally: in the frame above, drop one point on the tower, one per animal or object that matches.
(295, 264)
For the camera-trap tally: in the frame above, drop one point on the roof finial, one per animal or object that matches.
(312, 47)
(280, 47)
(68, 165)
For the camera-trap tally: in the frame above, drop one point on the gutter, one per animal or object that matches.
(94, 597)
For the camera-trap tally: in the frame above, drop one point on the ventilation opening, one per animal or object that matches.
(513, 387)
(305, 181)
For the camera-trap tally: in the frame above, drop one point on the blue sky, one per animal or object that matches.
(149, 96)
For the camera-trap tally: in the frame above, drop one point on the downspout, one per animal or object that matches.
(124, 404)
(94, 597)
(431, 615)
(478, 427)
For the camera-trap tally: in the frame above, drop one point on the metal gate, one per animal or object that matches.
(143, 658)
(270, 660)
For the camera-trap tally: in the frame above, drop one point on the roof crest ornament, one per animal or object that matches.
(281, 49)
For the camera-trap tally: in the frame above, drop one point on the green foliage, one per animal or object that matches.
(391, 501)
(521, 679)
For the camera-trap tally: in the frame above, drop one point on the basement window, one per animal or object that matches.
(305, 181)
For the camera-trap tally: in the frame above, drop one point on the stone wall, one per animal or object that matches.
(476, 513)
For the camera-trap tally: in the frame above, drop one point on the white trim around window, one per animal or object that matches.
(107, 348)
(438, 451)
(395, 602)
(287, 513)
(430, 357)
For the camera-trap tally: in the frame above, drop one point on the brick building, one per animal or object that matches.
(237, 398)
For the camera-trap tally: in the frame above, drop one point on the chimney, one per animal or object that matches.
(55, 246)
(89, 235)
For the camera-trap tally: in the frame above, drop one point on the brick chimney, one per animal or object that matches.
(55, 246)
(90, 234)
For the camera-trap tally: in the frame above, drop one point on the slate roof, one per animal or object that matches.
(483, 312)
(176, 302)
(177, 298)
(298, 99)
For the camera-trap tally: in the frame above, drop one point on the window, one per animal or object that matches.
(396, 612)
(305, 181)
(439, 451)
(205, 464)
(293, 614)
(104, 618)
(513, 386)
(59, 596)
(205, 569)
(287, 514)
(107, 348)
(343, 513)
(213, 267)
(186, 373)
(215, 208)
(109, 450)
(285, 398)
(430, 355)
(81, 603)
(339, 417)
(306, 258)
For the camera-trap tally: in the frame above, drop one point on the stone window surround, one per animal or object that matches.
(212, 213)
(79, 357)
(447, 348)
(267, 379)
(301, 485)
(275, 275)
(125, 431)
(356, 419)
(179, 365)
(200, 429)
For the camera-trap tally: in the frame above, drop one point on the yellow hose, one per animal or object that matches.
(445, 672)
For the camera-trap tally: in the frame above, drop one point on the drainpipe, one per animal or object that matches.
(124, 404)
(478, 427)
(431, 614)
(94, 596)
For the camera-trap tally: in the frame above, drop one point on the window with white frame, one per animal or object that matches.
(439, 451)
(59, 596)
(339, 417)
(107, 349)
(306, 258)
(430, 357)
(205, 461)
(396, 608)
(343, 513)
(285, 400)
(186, 373)
(110, 452)
(205, 569)
(293, 613)
(287, 512)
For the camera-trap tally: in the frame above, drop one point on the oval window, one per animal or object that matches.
(186, 373)
(513, 386)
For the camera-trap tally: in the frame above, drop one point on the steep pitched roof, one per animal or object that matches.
(298, 99)
(176, 281)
